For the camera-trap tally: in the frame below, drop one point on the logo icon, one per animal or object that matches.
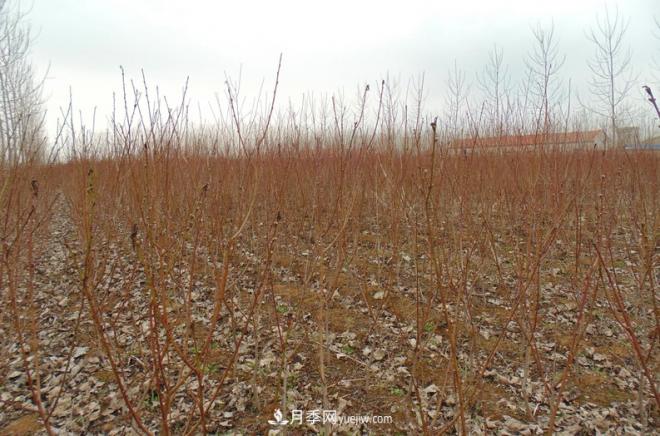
(279, 419)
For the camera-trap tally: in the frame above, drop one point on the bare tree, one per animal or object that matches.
(458, 91)
(656, 55)
(612, 76)
(21, 114)
(495, 84)
(543, 64)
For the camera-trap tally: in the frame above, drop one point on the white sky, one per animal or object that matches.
(327, 46)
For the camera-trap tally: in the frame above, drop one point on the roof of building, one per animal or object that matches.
(652, 140)
(580, 137)
(642, 147)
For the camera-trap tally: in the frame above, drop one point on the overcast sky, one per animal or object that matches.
(327, 46)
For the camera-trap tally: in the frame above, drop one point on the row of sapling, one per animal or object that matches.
(26, 203)
(89, 201)
(202, 296)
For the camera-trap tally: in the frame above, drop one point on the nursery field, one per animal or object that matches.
(351, 287)
(416, 220)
